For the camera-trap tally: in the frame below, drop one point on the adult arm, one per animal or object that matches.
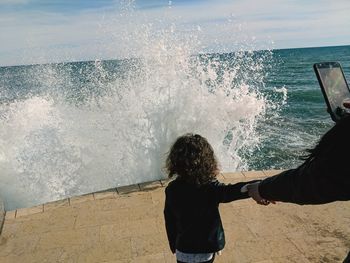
(310, 183)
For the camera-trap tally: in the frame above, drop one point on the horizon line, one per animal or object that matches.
(198, 54)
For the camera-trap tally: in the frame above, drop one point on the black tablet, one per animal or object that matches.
(334, 88)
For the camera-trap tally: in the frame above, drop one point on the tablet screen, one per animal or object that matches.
(334, 85)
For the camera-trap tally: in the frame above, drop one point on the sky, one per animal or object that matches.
(46, 31)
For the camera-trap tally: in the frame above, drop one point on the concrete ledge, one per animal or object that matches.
(29, 210)
(254, 174)
(80, 199)
(165, 182)
(150, 185)
(107, 194)
(114, 193)
(10, 214)
(271, 172)
(235, 176)
(128, 189)
(56, 204)
(2, 214)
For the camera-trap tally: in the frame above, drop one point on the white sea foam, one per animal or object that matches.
(51, 147)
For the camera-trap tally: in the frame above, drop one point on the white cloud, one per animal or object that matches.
(38, 37)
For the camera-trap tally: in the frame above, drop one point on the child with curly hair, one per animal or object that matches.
(192, 219)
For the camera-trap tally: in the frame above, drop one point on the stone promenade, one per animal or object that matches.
(126, 225)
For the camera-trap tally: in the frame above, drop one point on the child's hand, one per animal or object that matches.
(253, 192)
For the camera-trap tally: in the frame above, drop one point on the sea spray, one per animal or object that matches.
(81, 127)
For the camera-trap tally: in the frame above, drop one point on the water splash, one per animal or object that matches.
(82, 127)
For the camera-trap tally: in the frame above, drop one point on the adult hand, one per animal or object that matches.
(253, 192)
(346, 103)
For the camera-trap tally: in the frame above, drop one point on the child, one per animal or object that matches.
(191, 212)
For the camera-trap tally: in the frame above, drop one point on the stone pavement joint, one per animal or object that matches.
(125, 224)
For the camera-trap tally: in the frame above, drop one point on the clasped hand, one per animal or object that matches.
(253, 191)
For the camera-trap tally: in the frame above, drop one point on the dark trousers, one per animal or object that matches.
(347, 259)
(210, 261)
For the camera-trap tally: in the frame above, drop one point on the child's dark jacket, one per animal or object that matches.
(192, 216)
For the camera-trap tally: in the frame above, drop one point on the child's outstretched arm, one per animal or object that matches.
(225, 193)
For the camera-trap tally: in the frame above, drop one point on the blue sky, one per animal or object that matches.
(42, 31)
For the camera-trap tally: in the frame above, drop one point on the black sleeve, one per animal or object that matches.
(310, 183)
(225, 193)
(280, 187)
(170, 224)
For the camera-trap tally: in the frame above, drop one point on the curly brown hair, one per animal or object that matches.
(192, 159)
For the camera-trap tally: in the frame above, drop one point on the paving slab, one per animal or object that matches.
(110, 193)
(126, 224)
(56, 204)
(30, 210)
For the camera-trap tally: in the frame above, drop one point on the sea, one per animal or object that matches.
(77, 127)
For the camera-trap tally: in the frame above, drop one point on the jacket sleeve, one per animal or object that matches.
(225, 193)
(282, 187)
(170, 224)
(310, 183)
